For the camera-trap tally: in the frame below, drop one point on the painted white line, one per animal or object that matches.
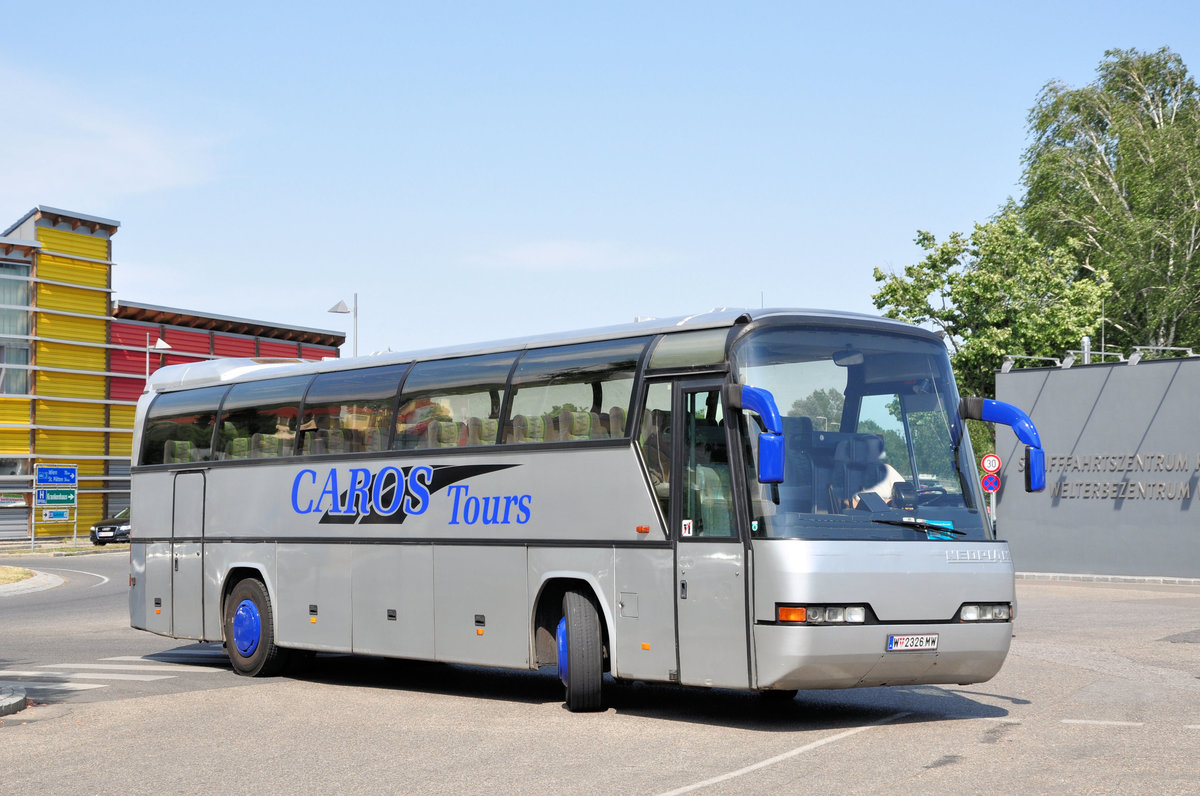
(786, 755)
(103, 579)
(1092, 723)
(145, 678)
(166, 657)
(84, 675)
(30, 673)
(52, 686)
(129, 667)
(1191, 726)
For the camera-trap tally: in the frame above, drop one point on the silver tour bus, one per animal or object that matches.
(769, 500)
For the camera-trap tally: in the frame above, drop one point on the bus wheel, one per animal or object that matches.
(580, 653)
(250, 631)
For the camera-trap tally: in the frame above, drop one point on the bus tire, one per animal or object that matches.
(583, 674)
(250, 631)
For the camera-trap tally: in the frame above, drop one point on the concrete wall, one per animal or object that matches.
(1122, 464)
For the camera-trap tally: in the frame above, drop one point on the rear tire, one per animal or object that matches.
(583, 674)
(250, 631)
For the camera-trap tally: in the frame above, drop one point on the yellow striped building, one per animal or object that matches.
(69, 377)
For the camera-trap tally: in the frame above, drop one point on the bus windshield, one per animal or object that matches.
(874, 445)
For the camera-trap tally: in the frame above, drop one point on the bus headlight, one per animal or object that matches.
(985, 612)
(821, 614)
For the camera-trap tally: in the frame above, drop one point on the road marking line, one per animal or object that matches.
(166, 657)
(30, 673)
(1095, 723)
(52, 686)
(85, 675)
(118, 676)
(103, 579)
(147, 667)
(779, 758)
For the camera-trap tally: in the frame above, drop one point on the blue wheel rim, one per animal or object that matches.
(247, 628)
(561, 637)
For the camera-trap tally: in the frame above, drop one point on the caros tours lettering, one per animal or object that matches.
(391, 494)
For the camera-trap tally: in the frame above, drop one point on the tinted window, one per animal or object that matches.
(690, 349)
(453, 403)
(575, 392)
(259, 418)
(350, 411)
(179, 426)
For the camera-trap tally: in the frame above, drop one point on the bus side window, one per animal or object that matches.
(574, 393)
(452, 403)
(179, 426)
(350, 411)
(708, 486)
(654, 439)
(259, 418)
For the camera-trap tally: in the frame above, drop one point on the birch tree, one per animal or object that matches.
(1113, 173)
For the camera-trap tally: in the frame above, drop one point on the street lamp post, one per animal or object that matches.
(341, 307)
(159, 345)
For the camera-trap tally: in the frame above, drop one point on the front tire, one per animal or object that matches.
(581, 650)
(250, 631)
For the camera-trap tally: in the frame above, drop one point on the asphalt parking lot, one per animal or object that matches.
(1100, 694)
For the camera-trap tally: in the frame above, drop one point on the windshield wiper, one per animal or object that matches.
(931, 529)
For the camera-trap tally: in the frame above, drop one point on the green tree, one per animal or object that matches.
(1113, 173)
(998, 291)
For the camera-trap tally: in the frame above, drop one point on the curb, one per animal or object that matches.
(12, 699)
(39, 582)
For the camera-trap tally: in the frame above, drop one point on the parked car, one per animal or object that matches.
(113, 529)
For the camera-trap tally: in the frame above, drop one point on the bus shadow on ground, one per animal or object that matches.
(832, 709)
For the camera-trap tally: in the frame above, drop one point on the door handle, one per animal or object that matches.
(683, 589)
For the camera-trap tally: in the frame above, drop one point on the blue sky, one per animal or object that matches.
(488, 170)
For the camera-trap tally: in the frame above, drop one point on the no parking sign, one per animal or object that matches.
(990, 483)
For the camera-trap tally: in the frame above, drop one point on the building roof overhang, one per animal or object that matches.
(171, 316)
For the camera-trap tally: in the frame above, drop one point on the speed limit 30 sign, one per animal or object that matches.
(990, 463)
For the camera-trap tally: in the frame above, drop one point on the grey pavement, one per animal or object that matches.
(12, 697)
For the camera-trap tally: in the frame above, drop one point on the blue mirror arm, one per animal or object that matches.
(770, 442)
(990, 411)
(756, 399)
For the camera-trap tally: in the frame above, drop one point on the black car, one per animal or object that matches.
(113, 529)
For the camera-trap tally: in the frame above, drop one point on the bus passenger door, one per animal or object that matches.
(710, 594)
(187, 559)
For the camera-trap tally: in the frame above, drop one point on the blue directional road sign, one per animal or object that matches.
(56, 474)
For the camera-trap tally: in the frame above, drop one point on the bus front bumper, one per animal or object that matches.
(850, 656)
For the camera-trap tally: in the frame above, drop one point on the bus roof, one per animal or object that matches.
(217, 371)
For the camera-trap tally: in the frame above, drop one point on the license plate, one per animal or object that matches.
(105, 533)
(921, 642)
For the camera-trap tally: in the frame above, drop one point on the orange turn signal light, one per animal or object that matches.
(791, 613)
(643, 529)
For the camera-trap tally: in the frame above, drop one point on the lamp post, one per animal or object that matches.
(341, 307)
(159, 345)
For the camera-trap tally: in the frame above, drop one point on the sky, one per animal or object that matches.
(478, 171)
